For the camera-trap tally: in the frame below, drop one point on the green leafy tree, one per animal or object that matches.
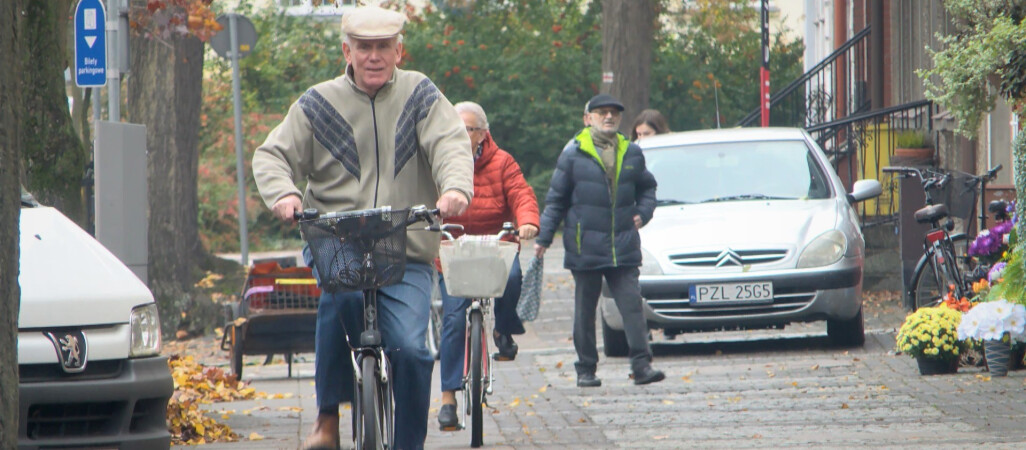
(531, 64)
(716, 55)
(984, 57)
(291, 55)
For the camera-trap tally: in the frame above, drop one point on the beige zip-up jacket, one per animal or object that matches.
(400, 149)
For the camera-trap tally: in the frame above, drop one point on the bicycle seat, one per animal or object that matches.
(931, 213)
(997, 206)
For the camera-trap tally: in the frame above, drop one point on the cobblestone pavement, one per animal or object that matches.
(765, 389)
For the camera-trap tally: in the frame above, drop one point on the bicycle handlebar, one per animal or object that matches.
(418, 213)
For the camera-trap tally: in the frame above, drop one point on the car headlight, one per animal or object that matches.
(826, 249)
(145, 331)
(649, 264)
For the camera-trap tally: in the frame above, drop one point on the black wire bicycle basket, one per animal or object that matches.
(339, 242)
(959, 194)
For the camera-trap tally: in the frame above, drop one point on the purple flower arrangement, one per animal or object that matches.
(990, 245)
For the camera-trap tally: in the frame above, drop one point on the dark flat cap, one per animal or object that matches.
(601, 100)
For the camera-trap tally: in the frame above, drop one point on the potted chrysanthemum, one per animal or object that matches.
(998, 324)
(930, 335)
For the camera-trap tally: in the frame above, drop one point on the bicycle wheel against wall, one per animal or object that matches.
(476, 378)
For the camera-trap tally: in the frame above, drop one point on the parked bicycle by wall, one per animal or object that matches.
(945, 268)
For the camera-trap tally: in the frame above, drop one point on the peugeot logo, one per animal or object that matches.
(728, 257)
(71, 349)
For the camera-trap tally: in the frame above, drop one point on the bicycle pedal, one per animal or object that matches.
(457, 427)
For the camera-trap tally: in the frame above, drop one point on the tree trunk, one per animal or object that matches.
(12, 35)
(165, 92)
(628, 27)
(54, 157)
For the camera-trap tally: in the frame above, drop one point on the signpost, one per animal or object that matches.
(90, 44)
(764, 70)
(239, 42)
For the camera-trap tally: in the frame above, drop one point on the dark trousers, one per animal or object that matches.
(623, 282)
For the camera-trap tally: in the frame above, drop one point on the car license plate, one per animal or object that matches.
(759, 292)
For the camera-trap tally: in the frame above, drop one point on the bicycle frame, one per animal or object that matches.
(482, 305)
(477, 370)
(373, 403)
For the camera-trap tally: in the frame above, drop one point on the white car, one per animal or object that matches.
(91, 373)
(752, 229)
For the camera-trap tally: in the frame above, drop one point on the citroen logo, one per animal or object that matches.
(71, 349)
(728, 257)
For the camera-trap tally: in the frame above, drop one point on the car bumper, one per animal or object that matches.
(126, 411)
(833, 293)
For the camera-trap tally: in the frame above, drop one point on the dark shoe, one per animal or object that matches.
(648, 375)
(588, 380)
(447, 419)
(507, 349)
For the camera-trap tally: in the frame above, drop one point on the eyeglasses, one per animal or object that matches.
(473, 129)
(606, 112)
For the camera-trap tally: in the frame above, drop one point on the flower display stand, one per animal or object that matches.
(999, 356)
(929, 366)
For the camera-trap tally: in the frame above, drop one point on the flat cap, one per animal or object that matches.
(601, 100)
(372, 22)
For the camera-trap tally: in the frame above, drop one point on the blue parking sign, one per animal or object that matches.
(90, 44)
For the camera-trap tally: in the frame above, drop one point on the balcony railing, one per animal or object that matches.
(835, 88)
(859, 146)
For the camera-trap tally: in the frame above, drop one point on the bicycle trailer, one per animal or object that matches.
(277, 313)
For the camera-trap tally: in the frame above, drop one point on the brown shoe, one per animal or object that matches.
(324, 435)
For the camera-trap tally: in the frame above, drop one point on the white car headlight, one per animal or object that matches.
(145, 331)
(824, 250)
(649, 264)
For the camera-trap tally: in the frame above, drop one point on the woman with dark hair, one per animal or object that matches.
(649, 122)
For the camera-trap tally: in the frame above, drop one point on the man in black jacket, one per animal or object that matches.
(602, 193)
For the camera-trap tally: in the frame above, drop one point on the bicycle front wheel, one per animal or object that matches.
(370, 410)
(476, 378)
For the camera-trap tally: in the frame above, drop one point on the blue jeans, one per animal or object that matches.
(403, 311)
(454, 325)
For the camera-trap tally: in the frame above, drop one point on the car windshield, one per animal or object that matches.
(737, 171)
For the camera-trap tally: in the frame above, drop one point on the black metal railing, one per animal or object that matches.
(859, 146)
(835, 88)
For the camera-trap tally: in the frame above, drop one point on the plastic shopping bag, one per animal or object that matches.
(530, 293)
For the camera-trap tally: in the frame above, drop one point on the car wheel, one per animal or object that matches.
(614, 341)
(848, 333)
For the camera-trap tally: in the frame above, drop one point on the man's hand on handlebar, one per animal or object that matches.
(452, 203)
(286, 207)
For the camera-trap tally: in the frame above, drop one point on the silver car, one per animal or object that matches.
(753, 229)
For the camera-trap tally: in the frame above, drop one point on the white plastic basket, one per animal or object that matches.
(475, 267)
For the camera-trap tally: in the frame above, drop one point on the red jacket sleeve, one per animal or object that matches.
(519, 194)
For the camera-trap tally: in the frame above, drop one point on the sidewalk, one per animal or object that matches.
(534, 404)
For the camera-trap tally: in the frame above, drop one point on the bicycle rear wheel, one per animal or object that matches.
(935, 275)
(476, 378)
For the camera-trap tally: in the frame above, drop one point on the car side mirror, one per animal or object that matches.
(864, 190)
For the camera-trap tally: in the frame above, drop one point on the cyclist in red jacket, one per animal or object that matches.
(501, 194)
